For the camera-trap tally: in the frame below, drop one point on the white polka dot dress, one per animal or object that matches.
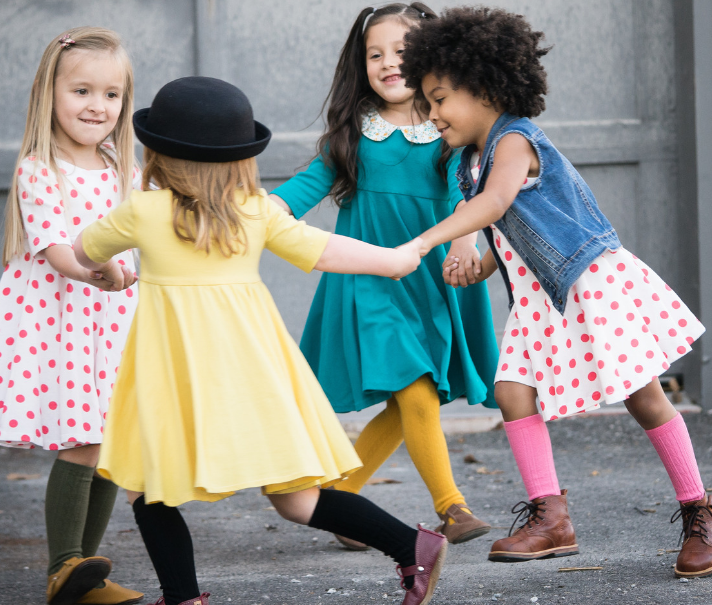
(623, 326)
(60, 340)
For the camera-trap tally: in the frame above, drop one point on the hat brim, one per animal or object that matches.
(199, 153)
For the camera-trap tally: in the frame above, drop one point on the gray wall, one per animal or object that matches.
(620, 105)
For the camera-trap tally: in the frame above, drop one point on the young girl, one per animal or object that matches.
(60, 339)
(407, 342)
(213, 396)
(590, 323)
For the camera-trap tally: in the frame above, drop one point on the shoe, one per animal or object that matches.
(110, 594)
(695, 558)
(201, 600)
(460, 525)
(546, 533)
(75, 578)
(350, 544)
(430, 551)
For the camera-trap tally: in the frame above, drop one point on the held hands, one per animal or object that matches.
(407, 258)
(112, 278)
(463, 266)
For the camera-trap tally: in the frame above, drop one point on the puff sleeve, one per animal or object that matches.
(306, 189)
(112, 234)
(41, 206)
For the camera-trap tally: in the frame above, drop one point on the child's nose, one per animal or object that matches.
(96, 103)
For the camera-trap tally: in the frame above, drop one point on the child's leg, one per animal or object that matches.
(376, 443)
(168, 542)
(67, 503)
(102, 497)
(419, 406)
(352, 516)
(528, 438)
(547, 530)
(668, 433)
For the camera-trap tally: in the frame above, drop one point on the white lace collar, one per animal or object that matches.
(376, 128)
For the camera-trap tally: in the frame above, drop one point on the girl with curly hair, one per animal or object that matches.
(370, 339)
(590, 323)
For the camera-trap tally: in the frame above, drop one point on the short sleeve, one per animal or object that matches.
(453, 188)
(41, 206)
(306, 189)
(293, 240)
(112, 234)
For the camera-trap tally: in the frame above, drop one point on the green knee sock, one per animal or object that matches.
(66, 506)
(101, 504)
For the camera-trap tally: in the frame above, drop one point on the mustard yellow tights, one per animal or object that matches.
(413, 415)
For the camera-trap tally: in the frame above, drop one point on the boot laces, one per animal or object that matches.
(693, 522)
(530, 511)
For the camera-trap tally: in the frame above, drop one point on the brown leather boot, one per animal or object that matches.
(546, 533)
(695, 558)
(460, 525)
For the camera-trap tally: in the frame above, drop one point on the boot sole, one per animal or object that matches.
(435, 575)
(693, 574)
(517, 557)
(86, 576)
(470, 535)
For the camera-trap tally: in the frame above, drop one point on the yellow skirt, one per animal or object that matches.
(214, 396)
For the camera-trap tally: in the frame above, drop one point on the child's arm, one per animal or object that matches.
(463, 263)
(114, 276)
(281, 203)
(346, 255)
(512, 161)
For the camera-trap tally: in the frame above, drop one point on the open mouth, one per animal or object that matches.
(92, 122)
(392, 79)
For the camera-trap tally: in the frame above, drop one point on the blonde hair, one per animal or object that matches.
(205, 211)
(39, 140)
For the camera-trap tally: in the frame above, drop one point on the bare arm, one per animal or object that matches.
(347, 255)
(281, 203)
(512, 161)
(114, 277)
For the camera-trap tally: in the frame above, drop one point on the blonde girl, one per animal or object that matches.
(60, 339)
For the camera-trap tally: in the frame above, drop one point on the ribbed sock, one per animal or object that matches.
(672, 443)
(355, 517)
(531, 446)
(419, 406)
(168, 542)
(66, 506)
(102, 497)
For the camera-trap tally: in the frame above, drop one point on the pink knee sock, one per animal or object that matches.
(672, 443)
(531, 446)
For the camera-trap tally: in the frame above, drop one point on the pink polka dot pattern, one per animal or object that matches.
(623, 326)
(60, 340)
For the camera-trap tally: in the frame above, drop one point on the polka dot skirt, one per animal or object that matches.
(623, 326)
(60, 340)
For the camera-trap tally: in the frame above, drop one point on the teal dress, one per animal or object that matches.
(367, 336)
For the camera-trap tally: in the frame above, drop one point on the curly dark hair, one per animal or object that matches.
(490, 52)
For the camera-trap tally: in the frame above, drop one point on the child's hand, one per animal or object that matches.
(407, 259)
(111, 277)
(462, 266)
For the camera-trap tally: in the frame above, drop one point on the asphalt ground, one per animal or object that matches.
(246, 554)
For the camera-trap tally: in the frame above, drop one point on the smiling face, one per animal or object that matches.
(384, 47)
(461, 117)
(88, 92)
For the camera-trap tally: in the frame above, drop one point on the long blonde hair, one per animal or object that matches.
(204, 210)
(39, 140)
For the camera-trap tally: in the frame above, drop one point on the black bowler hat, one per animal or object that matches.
(203, 120)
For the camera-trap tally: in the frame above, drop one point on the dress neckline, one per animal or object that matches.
(376, 128)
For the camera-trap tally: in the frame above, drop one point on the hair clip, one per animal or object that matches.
(65, 41)
(367, 19)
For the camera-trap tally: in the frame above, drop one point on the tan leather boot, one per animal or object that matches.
(460, 525)
(110, 594)
(547, 532)
(695, 558)
(75, 578)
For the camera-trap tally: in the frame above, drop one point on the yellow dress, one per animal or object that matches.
(213, 395)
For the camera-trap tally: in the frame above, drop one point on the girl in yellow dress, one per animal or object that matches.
(213, 395)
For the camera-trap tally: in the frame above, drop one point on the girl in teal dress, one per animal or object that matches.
(415, 343)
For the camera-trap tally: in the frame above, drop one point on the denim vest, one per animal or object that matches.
(555, 225)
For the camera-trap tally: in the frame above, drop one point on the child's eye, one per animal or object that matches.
(400, 51)
(439, 101)
(375, 56)
(113, 95)
(81, 91)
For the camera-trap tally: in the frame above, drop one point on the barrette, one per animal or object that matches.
(367, 19)
(65, 41)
